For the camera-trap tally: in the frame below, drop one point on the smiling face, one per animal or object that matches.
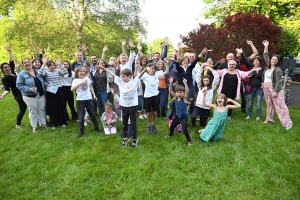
(78, 56)
(231, 65)
(191, 57)
(185, 62)
(274, 61)
(229, 57)
(123, 59)
(66, 65)
(6, 68)
(94, 60)
(205, 81)
(125, 78)
(80, 72)
(144, 61)
(210, 61)
(160, 66)
(36, 64)
(152, 70)
(220, 100)
(256, 63)
(27, 64)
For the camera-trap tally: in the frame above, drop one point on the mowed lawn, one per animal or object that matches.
(252, 161)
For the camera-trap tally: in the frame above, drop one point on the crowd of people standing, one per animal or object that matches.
(126, 85)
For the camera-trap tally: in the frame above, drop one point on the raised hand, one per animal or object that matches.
(8, 48)
(17, 64)
(40, 51)
(249, 42)
(139, 47)
(204, 90)
(222, 60)
(204, 50)
(84, 47)
(228, 100)
(45, 60)
(123, 42)
(167, 61)
(151, 50)
(105, 48)
(130, 43)
(184, 81)
(161, 44)
(239, 50)
(265, 43)
(112, 91)
(166, 40)
(58, 61)
(179, 45)
(171, 79)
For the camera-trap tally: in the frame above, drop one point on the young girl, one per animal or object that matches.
(84, 91)
(109, 119)
(151, 94)
(204, 82)
(215, 127)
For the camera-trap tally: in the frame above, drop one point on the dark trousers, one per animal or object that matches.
(230, 110)
(126, 113)
(69, 98)
(89, 106)
(22, 108)
(56, 108)
(203, 113)
(183, 121)
(163, 101)
(244, 101)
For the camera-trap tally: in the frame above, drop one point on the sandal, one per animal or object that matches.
(200, 131)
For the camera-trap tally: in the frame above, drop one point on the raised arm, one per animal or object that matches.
(170, 86)
(41, 55)
(186, 88)
(167, 62)
(216, 78)
(62, 70)
(105, 69)
(204, 100)
(143, 72)
(123, 46)
(139, 48)
(254, 50)
(199, 76)
(42, 70)
(132, 54)
(166, 48)
(10, 56)
(83, 50)
(266, 52)
(235, 104)
(104, 52)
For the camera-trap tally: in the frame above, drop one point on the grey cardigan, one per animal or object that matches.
(275, 76)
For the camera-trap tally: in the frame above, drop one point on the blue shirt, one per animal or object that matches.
(181, 108)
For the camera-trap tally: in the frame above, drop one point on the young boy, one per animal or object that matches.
(128, 101)
(181, 100)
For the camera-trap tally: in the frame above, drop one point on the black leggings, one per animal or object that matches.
(69, 98)
(183, 121)
(203, 113)
(22, 108)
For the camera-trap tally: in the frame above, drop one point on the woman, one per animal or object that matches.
(37, 62)
(231, 82)
(255, 82)
(273, 92)
(66, 81)
(9, 83)
(32, 85)
(101, 86)
(162, 87)
(55, 99)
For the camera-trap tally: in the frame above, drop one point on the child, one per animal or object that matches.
(151, 80)
(171, 113)
(204, 82)
(109, 119)
(84, 100)
(181, 117)
(128, 101)
(215, 127)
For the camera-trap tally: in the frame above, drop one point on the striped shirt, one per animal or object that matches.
(53, 76)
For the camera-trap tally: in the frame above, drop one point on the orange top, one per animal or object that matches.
(162, 82)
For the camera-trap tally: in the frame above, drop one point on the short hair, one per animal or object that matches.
(49, 62)
(179, 88)
(2, 65)
(94, 55)
(36, 59)
(232, 61)
(257, 58)
(123, 54)
(126, 72)
(77, 52)
(156, 53)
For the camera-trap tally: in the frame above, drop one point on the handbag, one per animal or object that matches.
(248, 87)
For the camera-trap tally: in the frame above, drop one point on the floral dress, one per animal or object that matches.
(215, 127)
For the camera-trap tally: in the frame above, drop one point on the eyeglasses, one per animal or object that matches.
(111, 65)
(6, 66)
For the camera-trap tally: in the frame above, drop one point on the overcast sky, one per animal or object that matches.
(171, 18)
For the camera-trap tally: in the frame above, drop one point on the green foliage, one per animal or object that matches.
(252, 161)
(290, 43)
(155, 45)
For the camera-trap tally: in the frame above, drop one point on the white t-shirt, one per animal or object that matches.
(268, 76)
(66, 80)
(83, 91)
(128, 91)
(151, 83)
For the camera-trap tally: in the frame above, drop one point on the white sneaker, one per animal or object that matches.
(248, 117)
(145, 116)
(257, 118)
(288, 127)
(141, 117)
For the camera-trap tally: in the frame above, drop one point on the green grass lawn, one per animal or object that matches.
(252, 161)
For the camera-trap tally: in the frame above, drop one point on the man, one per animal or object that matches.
(80, 57)
(94, 61)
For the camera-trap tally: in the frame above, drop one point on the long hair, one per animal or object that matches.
(2, 65)
(69, 69)
(209, 86)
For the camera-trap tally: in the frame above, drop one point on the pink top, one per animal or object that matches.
(240, 75)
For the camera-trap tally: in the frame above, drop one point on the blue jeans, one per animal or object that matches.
(163, 100)
(102, 97)
(258, 93)
(140, 103)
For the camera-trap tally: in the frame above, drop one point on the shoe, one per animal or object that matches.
(134, 143)
(52, 127)
(228, 118)
(189, 143)
(154, 129)
(63, 126)
(248, 117)
(265, 122)
(97, 129)
(145, 116)
(244, 111)
(148, 130)
(44, 126)
(18, 126)
(85, 123)
(34, 130)
(167, 136)
(141, 117)
(257, 119)
(80, 135)
(288, 127)
(125, 141)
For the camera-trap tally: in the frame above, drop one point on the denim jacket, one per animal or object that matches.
(25, 83)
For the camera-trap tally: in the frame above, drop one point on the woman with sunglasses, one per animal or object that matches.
(9, 82)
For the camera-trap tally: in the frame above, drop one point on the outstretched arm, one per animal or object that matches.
(104, 52)
(235, 104)
(170, 86)
(123, 46)
(204, 100)
(254, 50)
(105, 69)
(266, 52)
(143, 72)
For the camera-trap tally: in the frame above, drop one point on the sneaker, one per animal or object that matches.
(44, 126)
(145, 116)
(18, 126)
(63, 126)
(189, 143)
(141, 117)
(248, 117)
(154, 129)
(52, 127)
(80, 135)
(125, 141)
(228, 118)
(257, 119)
(85, 123)
(34, 130)
(167, 136)
(148, 130)
(134, 143)
(265, 122)
(288, 127)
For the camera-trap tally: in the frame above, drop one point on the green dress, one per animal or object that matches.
(215, 127)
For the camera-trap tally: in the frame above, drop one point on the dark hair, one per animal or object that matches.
(156, 53)
(152, 65)
(126, 72)
(142, 57)
(209, 84)
(278, 63)
(257, 58)
(94, 55)
(49, 62)
(182, 59)
(2, 65)
(69, 69)
(36, 59)
(179, 88)
(105, 63)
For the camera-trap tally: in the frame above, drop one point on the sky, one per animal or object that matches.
(168, 18)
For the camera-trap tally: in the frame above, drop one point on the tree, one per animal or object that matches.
(232, 33)
(155, 46)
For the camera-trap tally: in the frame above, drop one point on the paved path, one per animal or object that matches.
(294, 99)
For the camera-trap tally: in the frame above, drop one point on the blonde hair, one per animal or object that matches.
(223, 96)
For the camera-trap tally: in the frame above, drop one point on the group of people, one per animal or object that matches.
(125, 86)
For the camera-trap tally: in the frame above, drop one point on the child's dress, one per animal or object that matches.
(109, 128)
(215, 127)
